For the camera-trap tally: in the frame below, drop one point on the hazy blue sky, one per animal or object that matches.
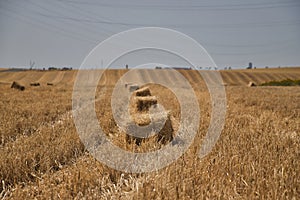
(234, 32)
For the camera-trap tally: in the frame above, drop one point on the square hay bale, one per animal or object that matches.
(142, 104)
(162, 136)
(17, 86)
(141, 119)
(34, 84)
(142, 92)
(251, 84)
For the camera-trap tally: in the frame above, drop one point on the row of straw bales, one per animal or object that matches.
(18, 86)
(140, 105)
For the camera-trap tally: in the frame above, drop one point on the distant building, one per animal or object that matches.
(250, 65)
(185, 68)
(66, 68)
(52, 68)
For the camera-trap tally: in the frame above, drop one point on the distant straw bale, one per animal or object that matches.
(133, 87)
(34, 84)
(251, 84)
(127, 84)
(17, 86)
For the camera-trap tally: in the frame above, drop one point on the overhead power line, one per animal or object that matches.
(238, 25)
(81, 25)
(44, 25)
(190, 7)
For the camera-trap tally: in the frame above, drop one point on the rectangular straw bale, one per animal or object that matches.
(145, 91)
(142, 104)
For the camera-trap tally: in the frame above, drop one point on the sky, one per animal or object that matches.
(234, 32)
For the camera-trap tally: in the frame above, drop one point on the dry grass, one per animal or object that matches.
(22, 113)
(257, 155)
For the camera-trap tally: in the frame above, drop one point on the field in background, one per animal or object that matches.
(230, 77)
(257, 155)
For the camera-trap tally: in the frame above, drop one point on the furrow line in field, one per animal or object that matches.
(8, 76)
(251, 77)
(230, 78)
(47, 77)
(67, 77)
(243, 78)
(58, 78)
(195, 76)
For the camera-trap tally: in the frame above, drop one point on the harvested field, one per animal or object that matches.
(256, 156)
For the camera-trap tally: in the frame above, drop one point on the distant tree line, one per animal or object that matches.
(63, 69)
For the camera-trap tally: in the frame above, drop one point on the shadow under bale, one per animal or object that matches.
(51, 84)
(17, 86)
(166, 134)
